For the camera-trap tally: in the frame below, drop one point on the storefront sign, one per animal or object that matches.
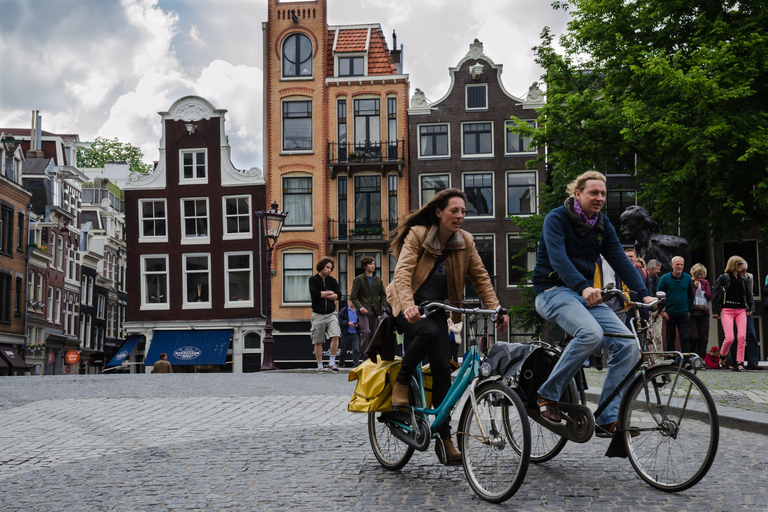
(72, 357)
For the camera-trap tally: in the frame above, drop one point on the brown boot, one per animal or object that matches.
(451, 453)
(400, 395)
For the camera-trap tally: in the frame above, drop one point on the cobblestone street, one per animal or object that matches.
(284, 441)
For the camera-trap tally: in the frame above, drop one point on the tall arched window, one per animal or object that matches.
(297, 56)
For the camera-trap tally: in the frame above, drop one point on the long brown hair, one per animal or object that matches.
(424, 216)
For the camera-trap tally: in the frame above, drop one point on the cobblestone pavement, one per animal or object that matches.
(284, 441)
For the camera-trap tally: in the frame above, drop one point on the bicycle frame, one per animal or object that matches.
(468, 371)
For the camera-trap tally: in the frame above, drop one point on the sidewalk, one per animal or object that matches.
(741, 398)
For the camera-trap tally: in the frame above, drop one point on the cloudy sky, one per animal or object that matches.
(106, 67)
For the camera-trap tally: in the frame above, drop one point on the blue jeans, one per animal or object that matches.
(569, 310)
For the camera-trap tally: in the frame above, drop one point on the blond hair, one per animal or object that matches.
(699, 268)
(733, 262)
(581, 182)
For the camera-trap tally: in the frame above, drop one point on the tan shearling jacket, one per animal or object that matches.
(417, 258)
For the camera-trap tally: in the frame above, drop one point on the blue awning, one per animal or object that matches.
(125, 350)
(190, 347)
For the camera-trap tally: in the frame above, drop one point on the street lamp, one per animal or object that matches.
(273, 224)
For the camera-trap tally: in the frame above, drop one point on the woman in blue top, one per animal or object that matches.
(573, 238)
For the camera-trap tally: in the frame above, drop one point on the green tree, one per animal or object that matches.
(681, 84)
(105, 150)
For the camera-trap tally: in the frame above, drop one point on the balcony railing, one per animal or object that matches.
(96, 195)
(366, 153)
(361, 230)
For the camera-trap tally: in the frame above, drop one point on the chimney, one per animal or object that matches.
(397, 54)
(35, 136)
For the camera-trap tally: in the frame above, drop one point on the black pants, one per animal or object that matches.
(678, 322)
(428, 337)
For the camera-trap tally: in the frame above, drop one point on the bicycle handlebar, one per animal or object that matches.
(609, 291)
(431, 307)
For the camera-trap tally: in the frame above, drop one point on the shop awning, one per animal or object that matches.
(3, 364)
(125, 350)
(12, 357)
(190, 347)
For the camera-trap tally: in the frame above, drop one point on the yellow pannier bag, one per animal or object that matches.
(373, 392)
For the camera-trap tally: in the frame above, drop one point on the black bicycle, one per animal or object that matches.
(667, 423)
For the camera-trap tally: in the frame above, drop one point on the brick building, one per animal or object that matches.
(462, 141)
(335, 155)
(195, 250)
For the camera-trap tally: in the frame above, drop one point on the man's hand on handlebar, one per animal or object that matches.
(593, 296)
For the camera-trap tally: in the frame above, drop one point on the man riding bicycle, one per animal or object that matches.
(574, 238)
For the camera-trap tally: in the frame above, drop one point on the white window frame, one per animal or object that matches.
(424, 175)
(535, 193)
(228, 302)
(60, 254)
(337, 65)
(531, 263)
(196, 305)
(418, 142)
(491, 215)
(193, 180)
(467, 87)
(507, 151)
(144, 304)
(150, 239)
(311, 273)
(186, 239)
(101, 307)
(52, 247)
(476, 155)
(57, 307)
(236, 236)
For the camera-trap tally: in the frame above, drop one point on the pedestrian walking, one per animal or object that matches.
(162, 365)
(369, 297)
(677, 311)
(350, 337)
(324, 290)
(731, 302)
(702, 293)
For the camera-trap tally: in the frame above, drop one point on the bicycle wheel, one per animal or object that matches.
(545, 444)
(494, 468)
(676, 431)
(391, 452)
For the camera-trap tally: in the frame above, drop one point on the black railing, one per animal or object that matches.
(362, 230)
(377, 152)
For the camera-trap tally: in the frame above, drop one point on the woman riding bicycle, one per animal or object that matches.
(574, 238)
(434, 256)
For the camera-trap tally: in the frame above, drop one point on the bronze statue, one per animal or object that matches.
(637, 225)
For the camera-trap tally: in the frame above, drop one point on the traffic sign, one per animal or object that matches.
(72, 357)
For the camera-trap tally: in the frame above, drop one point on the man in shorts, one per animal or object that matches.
(324, 290)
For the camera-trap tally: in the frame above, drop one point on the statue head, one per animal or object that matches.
(637, 224)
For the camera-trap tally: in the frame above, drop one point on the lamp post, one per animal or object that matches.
(273, 224)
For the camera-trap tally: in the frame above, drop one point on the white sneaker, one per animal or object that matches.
(333, 368)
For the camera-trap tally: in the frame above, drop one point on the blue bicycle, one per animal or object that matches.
(493, 434)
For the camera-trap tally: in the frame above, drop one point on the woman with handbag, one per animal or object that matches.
(699, 332)
(434, 257)
(731, 303)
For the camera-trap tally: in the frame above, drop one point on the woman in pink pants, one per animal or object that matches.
(732, 301)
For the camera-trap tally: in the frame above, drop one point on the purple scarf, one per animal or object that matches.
(577, 208)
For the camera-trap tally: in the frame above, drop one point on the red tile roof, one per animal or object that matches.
(353, 40)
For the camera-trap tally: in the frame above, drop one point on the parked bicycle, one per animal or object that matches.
(493, 432)
(667, 422)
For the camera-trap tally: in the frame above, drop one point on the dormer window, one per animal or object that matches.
(352, 66)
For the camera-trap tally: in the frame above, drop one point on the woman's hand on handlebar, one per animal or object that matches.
(411, 314)
(503, 325)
